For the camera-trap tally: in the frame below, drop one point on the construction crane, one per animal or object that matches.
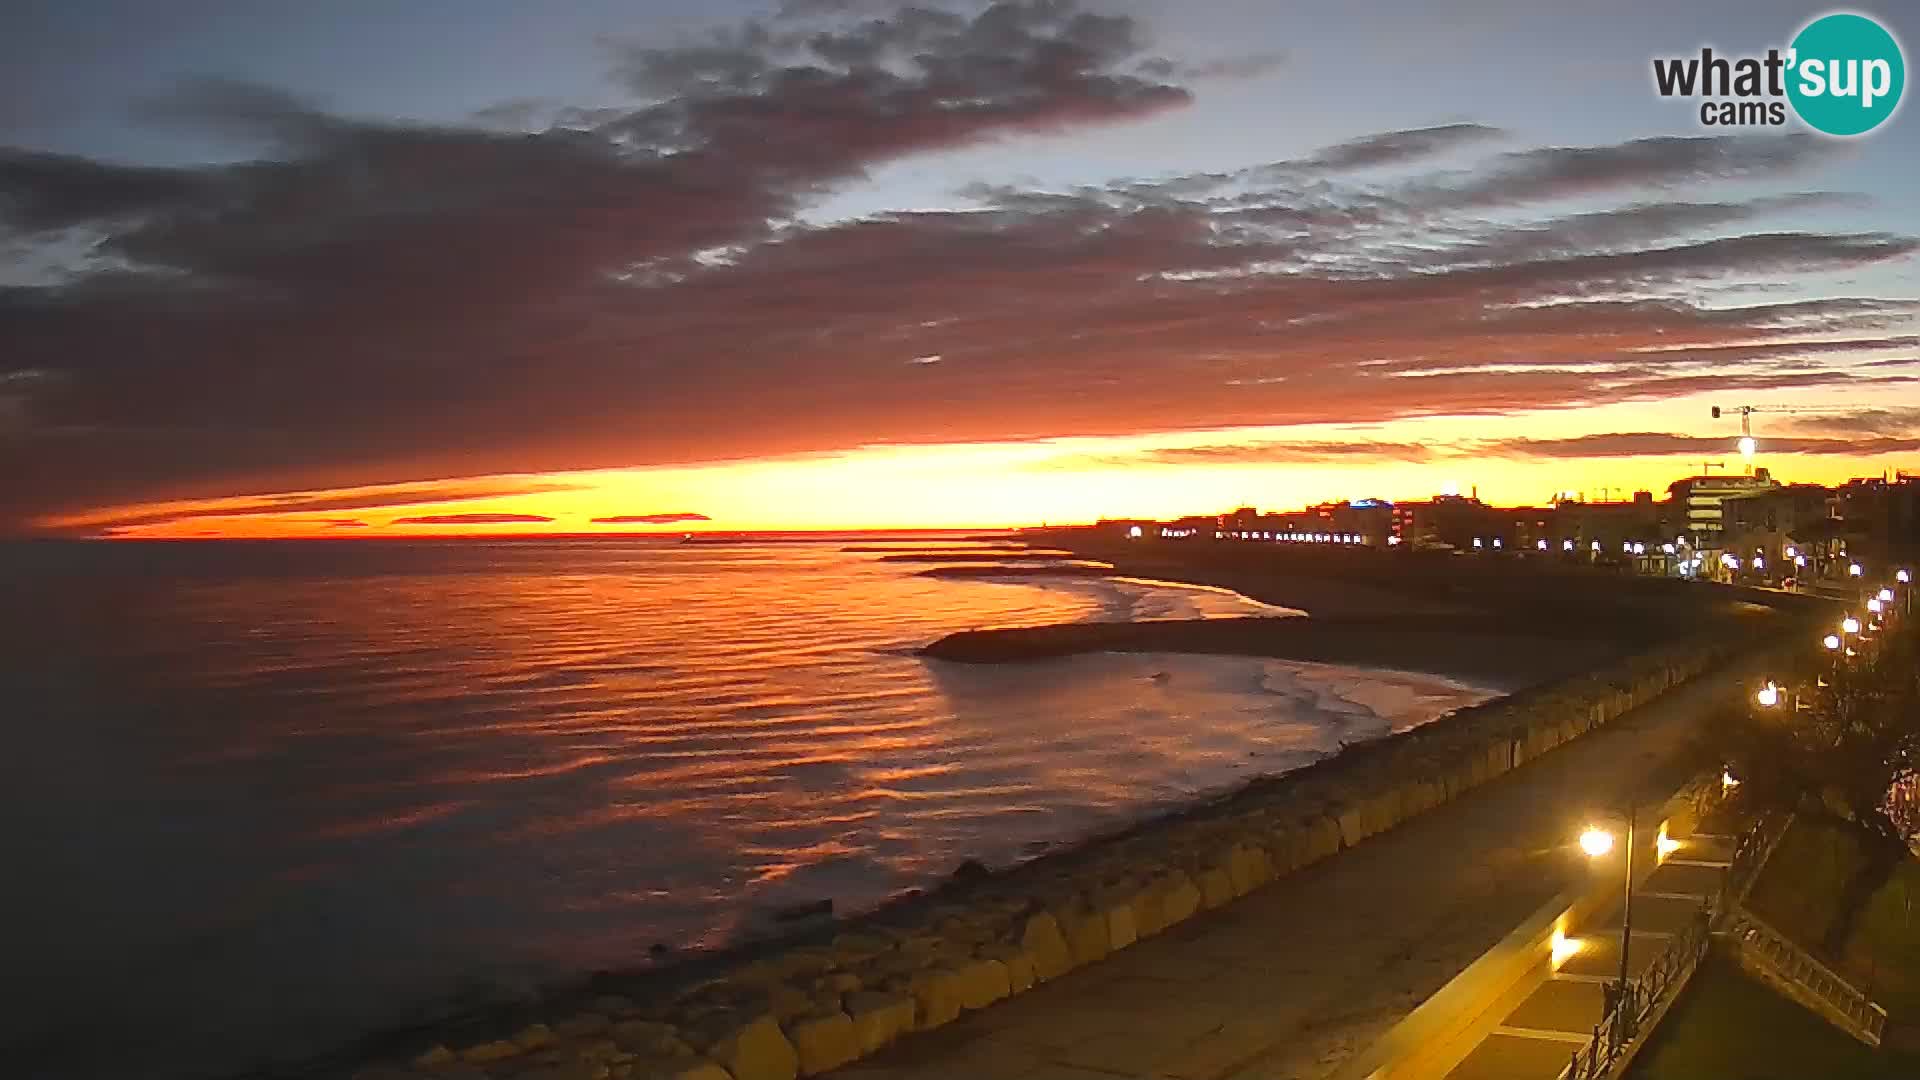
(1747, 443)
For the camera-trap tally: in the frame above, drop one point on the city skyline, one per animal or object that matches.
(849, 265)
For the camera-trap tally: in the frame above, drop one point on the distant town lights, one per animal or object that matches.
(1832, 641)
(1850, 625)
(1886, 596)
(1874, 605)
(1854, 570)
(1903, 577)
(1769, 695)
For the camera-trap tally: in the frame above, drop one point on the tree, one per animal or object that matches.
(1838, 746)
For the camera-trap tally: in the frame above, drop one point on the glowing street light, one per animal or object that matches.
(1903, 577)
(1769, 695)
(1792, 554)
(1597, 842)
(1850, 625)
(1886, 596)
(1854, 570)
(1832, 641)
(1874, 605)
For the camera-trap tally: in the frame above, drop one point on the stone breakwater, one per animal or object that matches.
(912, 966)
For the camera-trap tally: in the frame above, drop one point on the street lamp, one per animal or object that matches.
(1886, 596)
(1769, 695)
(1833, 641)
(1597, 842)
(1903, 577)
(1874, 605)
(1849, 625)
(1854, 570)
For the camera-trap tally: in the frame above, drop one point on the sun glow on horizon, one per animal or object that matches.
(992, 485)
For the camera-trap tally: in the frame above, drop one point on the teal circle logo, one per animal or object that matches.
(1847, 74)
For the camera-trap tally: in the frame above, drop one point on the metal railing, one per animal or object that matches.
(1642, 995)
(1750, 853)
(1795, 965)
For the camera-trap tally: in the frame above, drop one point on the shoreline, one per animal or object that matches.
(952, 948)
(653, 989)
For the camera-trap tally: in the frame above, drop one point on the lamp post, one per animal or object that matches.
(1597, 842)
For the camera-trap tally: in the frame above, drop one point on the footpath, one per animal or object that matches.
(1289, 982)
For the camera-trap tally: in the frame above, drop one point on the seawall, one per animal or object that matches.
(809, 1007)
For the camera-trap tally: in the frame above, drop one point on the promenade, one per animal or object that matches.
(1289, 982)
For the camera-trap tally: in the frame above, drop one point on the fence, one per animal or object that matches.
(1832, 994)
(1643, 995)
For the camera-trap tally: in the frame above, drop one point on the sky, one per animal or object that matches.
(357, 269)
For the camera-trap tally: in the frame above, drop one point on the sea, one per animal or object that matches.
(259, 798)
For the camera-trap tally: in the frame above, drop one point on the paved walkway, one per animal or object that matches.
(1289, 982)
(1538, 1037)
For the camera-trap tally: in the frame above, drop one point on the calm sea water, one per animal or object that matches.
(260, 798)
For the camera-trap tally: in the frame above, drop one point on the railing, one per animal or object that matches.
(1750, 853)
(1798, 967)
(1643, 995)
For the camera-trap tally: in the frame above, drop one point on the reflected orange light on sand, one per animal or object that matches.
(996, 485)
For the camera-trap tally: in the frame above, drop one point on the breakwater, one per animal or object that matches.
(920, 964)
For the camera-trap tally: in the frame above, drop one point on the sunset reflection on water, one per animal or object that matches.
(347, 781)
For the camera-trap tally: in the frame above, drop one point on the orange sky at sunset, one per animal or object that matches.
(991, 485)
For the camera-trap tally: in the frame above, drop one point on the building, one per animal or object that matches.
(1615, 526)
(1881, 518)
(1453, 521)
(1697, 504)
(1793, 528)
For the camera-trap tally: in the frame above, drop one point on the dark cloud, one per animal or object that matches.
(1399, 147)
(302, 502)
(650, 519)
(1556, 172)
(1288, 453)
(472, 519)
(1657, 444)
(1866, 421)
(366, 302)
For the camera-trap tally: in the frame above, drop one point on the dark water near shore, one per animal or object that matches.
(260, 798)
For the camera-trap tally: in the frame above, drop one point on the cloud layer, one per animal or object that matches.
(369, 301)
